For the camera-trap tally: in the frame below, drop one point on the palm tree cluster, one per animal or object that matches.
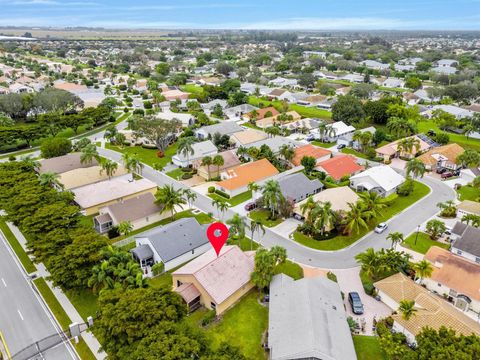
(117, 270)
(471, 219)
(319, 217)
(217, 161)
(132, 163)
(379, 264)
(170, 198)
(281, 160)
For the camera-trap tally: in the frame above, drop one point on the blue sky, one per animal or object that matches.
(246, 14)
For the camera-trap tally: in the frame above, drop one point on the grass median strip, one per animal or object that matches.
(62, 317)
(21, 254)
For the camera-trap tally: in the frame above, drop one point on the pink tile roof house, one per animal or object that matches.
(221, 281)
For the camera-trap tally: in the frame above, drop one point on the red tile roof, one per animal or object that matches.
(309, 150)
(339, 166)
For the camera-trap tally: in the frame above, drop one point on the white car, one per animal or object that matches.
(381, 228)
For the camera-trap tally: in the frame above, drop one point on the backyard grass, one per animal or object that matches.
(63, 319)
(322, 144)
(368, 348)
(242, 326)
(424, 242)
(342, 241)
(193, 89)
(175, 174)
(354, 152)
(263, 216)
(21, 254)
(147, 156)
(308, 112)
(424, 126)
(233, 201)
(291, 269)
(469, 193)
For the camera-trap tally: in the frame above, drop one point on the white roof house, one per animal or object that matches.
(200, 150)
(381, 179)
(445, 70)
(185, 119)
(458, 112)
(372, 64)
(340, 129)
(283, 82)
(394, 83)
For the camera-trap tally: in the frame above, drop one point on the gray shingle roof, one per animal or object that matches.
(469, 241)
(307, 320)
(296, 186)
(142, 252)
(177, 238)
(223, 128)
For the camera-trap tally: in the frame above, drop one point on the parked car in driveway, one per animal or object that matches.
(310, 137)
(446, 175)
(341, 146)
(355, 303)
(250, 206)
(381, 228)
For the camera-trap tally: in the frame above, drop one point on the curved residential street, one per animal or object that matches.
(405, 222)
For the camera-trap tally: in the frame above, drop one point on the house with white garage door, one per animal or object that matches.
(381, 179)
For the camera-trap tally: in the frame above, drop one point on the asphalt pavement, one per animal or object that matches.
(405, 222)
(24, 319)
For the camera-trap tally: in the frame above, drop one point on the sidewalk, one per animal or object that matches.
(71, 311)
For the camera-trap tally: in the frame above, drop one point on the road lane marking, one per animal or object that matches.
(19, 313)
(4, 283)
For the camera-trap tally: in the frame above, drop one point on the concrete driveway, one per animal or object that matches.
(349, 280)
(286, 227)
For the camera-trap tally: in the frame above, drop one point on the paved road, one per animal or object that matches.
(405, 222)
(23, 318)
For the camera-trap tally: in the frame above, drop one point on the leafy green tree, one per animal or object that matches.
(435, 228)
(125, 227)
(207, 161)
(158, 131)
(238, 225)
(413, 82)
(221, 206)
(407, 309)
(218, 161)
(265, 263)
(396, 238)
(373, 203)
(185, 147)
(169, 198)
(88, 154)
(449, 209)
(255, 226)
(272, 196)
(109, 166)
(423, 269)
(356, 218)
(325, 217)
(162, 68)
(469, 158)
(132, 163)
(415, 167)
(348, 109)
(50, 179)
(54, 147)
(309, 163)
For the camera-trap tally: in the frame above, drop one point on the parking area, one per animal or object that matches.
(287, 227)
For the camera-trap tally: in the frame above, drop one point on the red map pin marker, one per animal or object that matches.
(217, 233)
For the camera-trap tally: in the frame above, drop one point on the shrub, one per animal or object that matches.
(187, 176)
(208, 317)
(221, 193)
(138, 112)
(12, 158)
(388, 162)
(442, 138)
(211, 189)
(54, 147)
(158, 268)
(406, 188)
(370, 153)
(113, 233)
(332, 276)
(125, 110)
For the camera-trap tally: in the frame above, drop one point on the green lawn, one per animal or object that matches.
(85, 301)
(233, 201)
(424, 126)
(322, 144)
(21, 254)
(63, 319)
(263, 216)
(342, 241)
(469, 193)
(242, 326)
(245, 243)
(423, 243)
(193, 89)
(291, 269)
(308, 112)
(368, 348)
(147, 156)
(354, 152)
(176, 174)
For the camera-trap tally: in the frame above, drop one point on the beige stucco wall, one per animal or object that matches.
(206, 299)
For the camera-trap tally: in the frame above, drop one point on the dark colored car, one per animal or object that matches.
(447, 175)
(441, 170)
(355, 303)
(250, 206)
(310, 137)
(341, 146)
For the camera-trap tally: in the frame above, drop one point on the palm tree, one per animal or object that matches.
(448, 207)
(396, 238)
(238, 225)
(423, 269)
(132, 163)
(373, 203)
(109, 166)
(169, 198)
(416, 167)
(272, 196)
(190, 196)
(185, 147)
(407, 308)
(472, 219)
(50, 179)
(406, 145)
(221, 206)
(110, 133)
(369, 260)
(306, 209)
(125, 227)
(218, 161)
(287, 152)
(356, 218)
(325, 216)
(207, 161)
(255, 226)
(468, 130)
(101, 278)
(252, 186)
(89, 153)
(242, 151)
(30, 161)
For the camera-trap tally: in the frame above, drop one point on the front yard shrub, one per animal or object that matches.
(158, 268)
(211, 189)
(187, 176)
(221, 193)
(208, 318)
(406, 188)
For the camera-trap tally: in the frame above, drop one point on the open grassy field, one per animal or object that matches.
(342, 241)
(147, 156)
(470, 143)
(308, 112)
